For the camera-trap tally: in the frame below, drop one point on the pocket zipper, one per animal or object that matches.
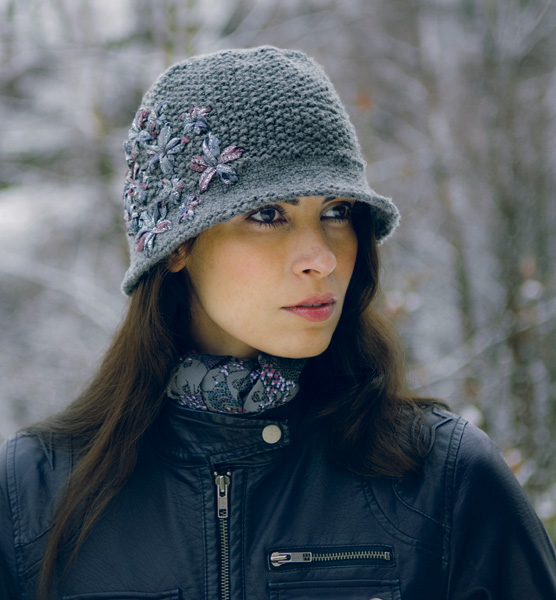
(367, 555)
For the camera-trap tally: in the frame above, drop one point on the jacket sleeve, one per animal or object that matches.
(499, 549)
(7, 556)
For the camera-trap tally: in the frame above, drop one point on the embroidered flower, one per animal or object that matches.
(196, 120)
(135, 189)
(164, 149)
(131, 219)
(187, 209)
(151, 226)
(157, 119)
(214, 162)
(145, 129)
(171, 189)
(140, 121)
(138, 134)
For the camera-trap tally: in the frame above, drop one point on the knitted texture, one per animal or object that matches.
(221, 134)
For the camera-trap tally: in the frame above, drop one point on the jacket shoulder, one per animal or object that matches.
(466, 455)
(417, 504)
(445, 435)
(32, 474)
(470, 456)
(492, 521)
(452, 446)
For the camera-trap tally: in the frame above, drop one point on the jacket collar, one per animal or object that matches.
(194, 437)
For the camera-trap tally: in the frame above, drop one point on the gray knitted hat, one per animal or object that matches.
(225, 133)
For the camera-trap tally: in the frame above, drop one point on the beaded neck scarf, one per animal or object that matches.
(229, 385)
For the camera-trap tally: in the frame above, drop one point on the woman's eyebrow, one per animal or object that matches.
(295, 201)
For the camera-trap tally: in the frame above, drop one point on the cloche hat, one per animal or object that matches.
(221, 134)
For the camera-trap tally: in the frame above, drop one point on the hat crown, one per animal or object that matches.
(273, 102)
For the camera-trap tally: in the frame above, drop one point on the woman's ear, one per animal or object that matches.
(176, 260)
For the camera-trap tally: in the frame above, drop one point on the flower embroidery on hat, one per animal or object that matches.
(157, 119)
(145, 129)
(131, 219)
(151, 225)
(213, 161)
(137, 135)
(187, 209)
(135, 195)
(195, 121)
(163, 151)
(152, 143)
(136, 185)
(171, 189)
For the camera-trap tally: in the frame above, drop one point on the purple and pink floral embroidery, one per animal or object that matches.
(135, 190)
(171, 189)
(187, 209)
(196, 120)
(163, 151)
(214, 162)
(152, 146)
(157, 119)
(151, 226)
(131, 219)
(145, 129)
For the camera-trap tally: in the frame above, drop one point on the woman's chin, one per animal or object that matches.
(306, 350)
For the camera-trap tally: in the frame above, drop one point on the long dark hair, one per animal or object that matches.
(374, 427)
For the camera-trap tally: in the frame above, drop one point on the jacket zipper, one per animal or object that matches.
(222, 484)
(373, 555)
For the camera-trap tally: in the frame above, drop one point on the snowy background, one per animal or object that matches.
(455, 104)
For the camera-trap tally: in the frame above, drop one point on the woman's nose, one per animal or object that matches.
(314, 257)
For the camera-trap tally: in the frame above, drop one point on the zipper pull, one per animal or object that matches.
(282, 558)
(222, 483)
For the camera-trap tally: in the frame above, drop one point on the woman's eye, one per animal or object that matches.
(341, 212)
(267, 216)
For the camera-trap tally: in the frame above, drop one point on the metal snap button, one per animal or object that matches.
(272, 434)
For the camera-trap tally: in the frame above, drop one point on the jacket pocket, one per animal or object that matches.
(360, 589)
(167, 595)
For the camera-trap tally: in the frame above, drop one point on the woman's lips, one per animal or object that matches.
(315, 308)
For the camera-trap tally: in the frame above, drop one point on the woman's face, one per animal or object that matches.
(272, 280)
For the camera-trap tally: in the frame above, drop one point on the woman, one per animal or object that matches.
(248, 434)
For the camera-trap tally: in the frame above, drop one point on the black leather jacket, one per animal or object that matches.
(250, 509)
